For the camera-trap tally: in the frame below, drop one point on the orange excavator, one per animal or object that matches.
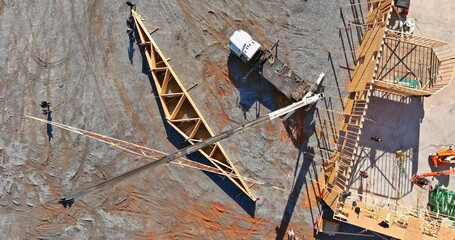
(443, 157)
(424, 182)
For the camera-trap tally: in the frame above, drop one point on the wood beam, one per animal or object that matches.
(156, 55)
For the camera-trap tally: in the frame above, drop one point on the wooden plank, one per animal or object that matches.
(177, 108)
(360, 88)
(399, 90)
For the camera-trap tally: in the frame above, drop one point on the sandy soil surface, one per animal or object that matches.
(77, 56)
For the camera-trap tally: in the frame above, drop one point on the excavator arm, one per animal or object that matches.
(443, 157)
(425, 183)
(432, 174)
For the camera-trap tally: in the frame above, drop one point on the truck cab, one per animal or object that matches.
(243, 45)
(402, 6)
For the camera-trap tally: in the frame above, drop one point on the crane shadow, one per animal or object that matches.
(300, 183)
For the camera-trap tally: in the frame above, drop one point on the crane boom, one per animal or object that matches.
(432, 174)
(68, 200)
(425, 183)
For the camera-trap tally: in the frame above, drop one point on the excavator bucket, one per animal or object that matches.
(421, 182)
(443, 157)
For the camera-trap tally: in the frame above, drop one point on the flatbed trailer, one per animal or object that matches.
(283, 78)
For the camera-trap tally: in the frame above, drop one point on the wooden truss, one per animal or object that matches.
(181, 112)
(412, 65)
(139, 150)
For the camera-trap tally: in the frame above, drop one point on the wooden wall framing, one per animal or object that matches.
(412, 65)
(371, 70)
(338, 169)
(180, 110)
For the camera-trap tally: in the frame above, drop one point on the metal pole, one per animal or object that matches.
(68, 200)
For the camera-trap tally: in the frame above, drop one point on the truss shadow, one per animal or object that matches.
(248, 205)
(398, 125)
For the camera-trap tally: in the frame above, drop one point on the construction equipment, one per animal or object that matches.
(442, 201)
(402, 7)
(266, 63)
(443, 157)
(425, 183)
(68, 200)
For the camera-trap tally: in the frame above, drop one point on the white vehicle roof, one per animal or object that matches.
(241, 43)
(250, 49)
(239, 39)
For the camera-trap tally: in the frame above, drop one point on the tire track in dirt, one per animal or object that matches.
(51, 220)
(46, 65)
(105, 43)
(205, 220)
(192, 20)
(92, 18)
(17, 62)
(125, 99)
(84, 155)
(167, 8)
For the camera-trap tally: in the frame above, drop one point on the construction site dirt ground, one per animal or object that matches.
(78, 57)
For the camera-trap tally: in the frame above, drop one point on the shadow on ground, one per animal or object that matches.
(300, 126)
(396, 121)
(179, 142)
(302, 177)
(49, 126)
(253, 90)
(346, 231)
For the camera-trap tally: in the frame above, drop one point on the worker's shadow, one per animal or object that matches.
(131, 48)
(49, 126)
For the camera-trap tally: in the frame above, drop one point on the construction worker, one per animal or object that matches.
(129, 30)
(346, 194)
(45, 104)
(376, 139)
(357, 210)
(130, 22)
(363, 174)
(131, 5)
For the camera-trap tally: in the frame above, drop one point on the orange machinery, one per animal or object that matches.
(443, 157)
(424, 182)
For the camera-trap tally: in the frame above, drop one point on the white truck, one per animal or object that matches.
(243, 45)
